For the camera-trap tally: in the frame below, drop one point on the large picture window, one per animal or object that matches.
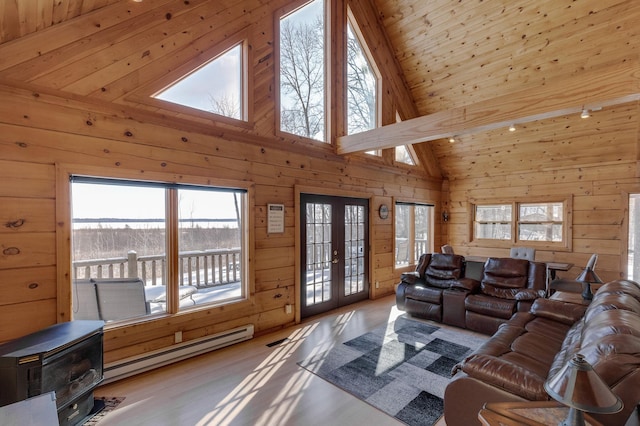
(138, 245)
(413, 232)
(530, 222)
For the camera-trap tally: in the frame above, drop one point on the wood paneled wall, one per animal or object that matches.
(592, 160)
(64, 98)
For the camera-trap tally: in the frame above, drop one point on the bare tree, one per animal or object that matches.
(302, 68)
(227, 104)
(361, 88)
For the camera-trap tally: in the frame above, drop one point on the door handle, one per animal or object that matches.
(335, 260)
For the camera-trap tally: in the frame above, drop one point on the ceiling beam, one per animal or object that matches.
(594, 89)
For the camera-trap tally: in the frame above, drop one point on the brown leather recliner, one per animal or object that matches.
(420, 293)
(508, 286)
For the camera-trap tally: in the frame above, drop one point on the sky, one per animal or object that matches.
(91, 201)
(220, 78)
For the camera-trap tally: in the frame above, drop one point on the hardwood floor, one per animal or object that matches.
(253, 384)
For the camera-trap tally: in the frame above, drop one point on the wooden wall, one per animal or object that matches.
(64, 100)
(594, 161)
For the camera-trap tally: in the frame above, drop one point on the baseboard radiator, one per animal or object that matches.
(150, 360)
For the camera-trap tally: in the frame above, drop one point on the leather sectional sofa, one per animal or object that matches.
(533, 345)
(439, 291)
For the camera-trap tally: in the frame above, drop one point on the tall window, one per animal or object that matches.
(123, 252)
(362, 84)
(302, 72)
(216, 86)
(413, 230)
(519, 221)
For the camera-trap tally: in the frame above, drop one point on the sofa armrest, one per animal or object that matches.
(566, 313)
(410, 277)
(466, 284)
(529, 294)
(506, 375)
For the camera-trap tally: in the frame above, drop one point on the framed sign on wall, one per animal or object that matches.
(275, 218)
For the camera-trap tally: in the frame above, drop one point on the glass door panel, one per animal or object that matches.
(335, 256)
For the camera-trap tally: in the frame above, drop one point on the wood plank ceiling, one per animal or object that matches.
(439, 44)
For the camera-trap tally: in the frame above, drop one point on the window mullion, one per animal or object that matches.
(412, 234)
(171, 206)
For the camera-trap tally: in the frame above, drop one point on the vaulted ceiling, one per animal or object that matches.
(454, 53)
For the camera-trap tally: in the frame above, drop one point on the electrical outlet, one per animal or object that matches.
(287, 309)
(177, 337)
(377, 284)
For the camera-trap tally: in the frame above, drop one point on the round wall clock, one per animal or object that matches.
(383, 211)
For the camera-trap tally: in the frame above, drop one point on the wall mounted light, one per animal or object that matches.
(445, 216)
(512, 128)
(585, 113)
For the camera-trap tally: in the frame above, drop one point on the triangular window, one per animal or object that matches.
(404, 155)
(216, 86)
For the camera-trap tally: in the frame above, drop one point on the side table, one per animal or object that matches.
(569, 297)
(529, 413)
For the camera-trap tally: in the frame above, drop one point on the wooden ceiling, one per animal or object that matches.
(452, 53)
(22, 17)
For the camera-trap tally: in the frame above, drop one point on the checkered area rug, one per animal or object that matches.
(401, 368)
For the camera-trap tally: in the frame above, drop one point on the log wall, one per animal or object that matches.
(69, 96)
(593, 161)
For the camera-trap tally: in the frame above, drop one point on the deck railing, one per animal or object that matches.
(202, 269)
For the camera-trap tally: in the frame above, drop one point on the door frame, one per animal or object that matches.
(303, 189)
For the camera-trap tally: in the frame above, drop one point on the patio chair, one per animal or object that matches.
(121, 298)
(85, 301)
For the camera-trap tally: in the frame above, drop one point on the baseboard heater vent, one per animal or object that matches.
(150, 360)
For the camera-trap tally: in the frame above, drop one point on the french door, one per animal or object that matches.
(335, 255)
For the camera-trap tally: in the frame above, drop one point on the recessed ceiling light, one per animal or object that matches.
(585, 113)
(452, 139)
(512, 128)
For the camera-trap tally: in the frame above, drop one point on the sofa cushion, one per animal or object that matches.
(504, 374)
(424, 293)
(487, 305)
(443, 270)
(564, 312)
(504, 277)
(608, 301)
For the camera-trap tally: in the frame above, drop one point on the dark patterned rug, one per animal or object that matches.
(401, 368)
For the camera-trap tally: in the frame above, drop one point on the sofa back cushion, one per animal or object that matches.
(423, 262)
(504, 277)
(608, 336)
(444, 269)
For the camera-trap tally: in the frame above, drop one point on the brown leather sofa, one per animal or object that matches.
(508, 286)
(439, 291)
(437, 278)
(532, 346)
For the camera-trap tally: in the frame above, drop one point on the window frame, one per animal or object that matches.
(411, 244)
(277, 18)
(64, 257)
(145, 94)
(515, 241)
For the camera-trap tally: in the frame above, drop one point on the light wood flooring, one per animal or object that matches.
(253, 384)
